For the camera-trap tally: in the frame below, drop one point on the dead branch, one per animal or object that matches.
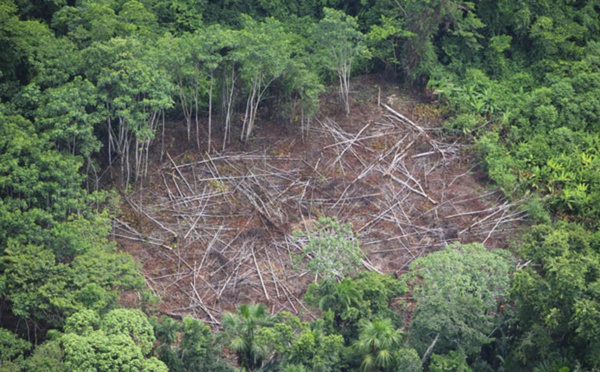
(403, 118)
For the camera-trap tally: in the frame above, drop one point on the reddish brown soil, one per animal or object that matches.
(214, 231)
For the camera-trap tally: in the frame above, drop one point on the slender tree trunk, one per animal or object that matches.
(123, 148)
(196, 93)
(153, 121)
(125, 164)
(303, 135)
(138, 153)
(185, 107)
(110, 140)
(229, 105)
(162, 145)
(210, 92)
(246, 126)
(344, 76)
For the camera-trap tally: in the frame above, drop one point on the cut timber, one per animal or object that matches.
(370, 267)
(412, 189)
(404, 119)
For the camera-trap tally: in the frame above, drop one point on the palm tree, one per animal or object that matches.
(339, 297)
(167, 330)
(377, 342)
(343, 299)
(239, 331)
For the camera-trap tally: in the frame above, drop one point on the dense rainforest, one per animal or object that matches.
(95, 93)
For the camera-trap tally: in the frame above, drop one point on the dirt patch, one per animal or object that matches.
(215, 230)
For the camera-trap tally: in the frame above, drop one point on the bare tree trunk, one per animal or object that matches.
(196, 93)
(210, 92)
(125, 164)
(152, 125)
(344, 76)
(185, 107)
(110, 140)
(138, 156)
(228, 102)
(162, 145)
(247, 125)
(302, 128)
(430, 348)
(254, 100)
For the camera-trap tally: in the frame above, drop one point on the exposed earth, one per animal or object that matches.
(214, 230)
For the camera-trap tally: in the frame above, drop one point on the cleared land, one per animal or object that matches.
(215, 230)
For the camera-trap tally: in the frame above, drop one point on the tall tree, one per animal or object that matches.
(134, 90)
(193, 61)
(427, 20)
(264, 54)
(121, 341)
(68, 115)
(340, 43)
(456, 292)
(19, 41)
(556, 297)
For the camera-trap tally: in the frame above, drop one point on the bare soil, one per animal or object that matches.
(214, 230)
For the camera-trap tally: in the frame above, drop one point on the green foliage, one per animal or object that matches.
(198, 348)
(339, 44)
(378, 292)
(330, 248)
(82, 322)
(131, 323)
(366, 297)
(47, 357)
(188, 346)
(562, 164)
(299, 87)
(101, 352)
(122, 341)
(498, 163)
(457, 292)
(281, 342)
(454, 361)
(34, 283)
(55, 63)
(240, 330)
(378, 343)
(408, 360)
(40, 287)
(11, 347)
(385, 41)
(317, 351)
(263, 54)
(39, 187)
(166, 330)
(537, 127)
(98, 21)
(64, 111)
(342, 300)
(556, 296)
(132, 88)
(495, 55)
(459, 38)
(558, 364)
(19, 40)
(137, 20)
(82, 79)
